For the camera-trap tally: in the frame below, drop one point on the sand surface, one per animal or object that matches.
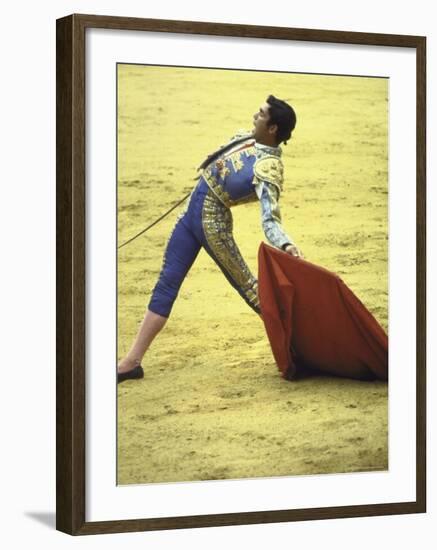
(212, 404)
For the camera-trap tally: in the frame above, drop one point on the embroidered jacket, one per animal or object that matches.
(248, 172)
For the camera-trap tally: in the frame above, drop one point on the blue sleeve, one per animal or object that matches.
(271, 216)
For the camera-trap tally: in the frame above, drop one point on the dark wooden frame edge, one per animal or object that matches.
(70, 274)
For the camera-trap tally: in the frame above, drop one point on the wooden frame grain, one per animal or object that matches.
(70, 274)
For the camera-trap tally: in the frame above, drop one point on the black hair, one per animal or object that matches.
(283, 115)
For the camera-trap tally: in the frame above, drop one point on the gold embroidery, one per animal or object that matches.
(270, 168)
(217, 226)
(236, 156)
(250, 151)
(224, 171)
(237, 163)
(213, 184)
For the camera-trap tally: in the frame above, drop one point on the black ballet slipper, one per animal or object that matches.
(133, 374)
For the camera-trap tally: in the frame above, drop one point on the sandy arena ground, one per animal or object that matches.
(212, 404)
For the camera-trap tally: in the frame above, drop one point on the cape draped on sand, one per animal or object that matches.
(314, 322)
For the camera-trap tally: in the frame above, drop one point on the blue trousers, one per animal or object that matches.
(206, 223)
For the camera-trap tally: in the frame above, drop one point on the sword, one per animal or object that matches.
(155, 222)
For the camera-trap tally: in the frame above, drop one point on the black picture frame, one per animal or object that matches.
(71, 253)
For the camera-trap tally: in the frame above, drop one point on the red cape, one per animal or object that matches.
(314, 321)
